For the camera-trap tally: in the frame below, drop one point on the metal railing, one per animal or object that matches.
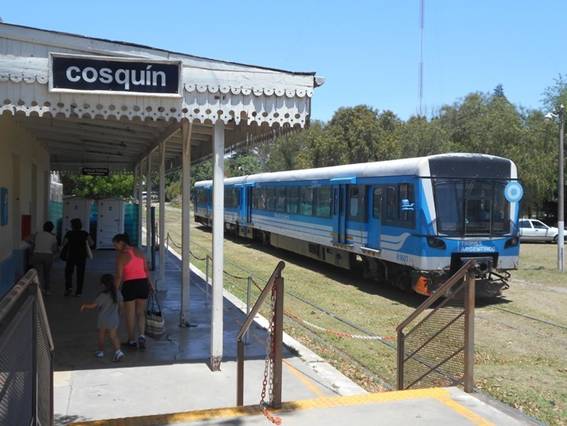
(26, 356)
(272, 383)
(436, 342)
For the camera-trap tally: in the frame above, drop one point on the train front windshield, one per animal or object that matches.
(471, 207)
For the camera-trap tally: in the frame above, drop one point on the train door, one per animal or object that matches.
(245, 206)
(248, 192)
(245, 212)
(209, 192)
(355, 213)
(339, 216)
(375, 197)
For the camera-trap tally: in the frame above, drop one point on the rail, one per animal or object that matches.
(438, 350)
(26, 345)
(272, 383)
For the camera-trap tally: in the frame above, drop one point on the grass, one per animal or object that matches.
(519, 361)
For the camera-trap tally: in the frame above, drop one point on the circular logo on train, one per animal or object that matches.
(513, 191)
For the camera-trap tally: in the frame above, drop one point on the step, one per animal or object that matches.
(439, 406)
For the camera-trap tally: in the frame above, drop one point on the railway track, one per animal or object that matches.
(532, 318)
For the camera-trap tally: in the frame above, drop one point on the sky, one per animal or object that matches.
(368, 51)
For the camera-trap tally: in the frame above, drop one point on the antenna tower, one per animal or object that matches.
(420, 82)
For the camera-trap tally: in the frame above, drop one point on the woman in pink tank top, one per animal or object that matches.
(133, 278)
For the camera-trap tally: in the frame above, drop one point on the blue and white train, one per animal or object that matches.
(409, 222)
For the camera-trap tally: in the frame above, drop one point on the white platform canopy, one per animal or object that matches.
(116, 130)
(99, 117)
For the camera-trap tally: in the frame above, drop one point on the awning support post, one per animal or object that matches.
(139, 197)
(186, 128)
(148, 208)
(162, 236)
(218, 243)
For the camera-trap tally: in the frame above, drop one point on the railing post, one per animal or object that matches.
(207, 279)
(469, 332)
(248, 298)
(278, 342)
(36, 290)
(240, 374)
(400, 360)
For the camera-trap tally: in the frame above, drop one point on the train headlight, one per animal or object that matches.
(511, 242)
(437, 243)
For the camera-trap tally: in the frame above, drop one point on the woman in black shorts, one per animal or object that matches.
(132, 273)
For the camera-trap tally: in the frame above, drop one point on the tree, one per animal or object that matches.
(360, 137)
(499, 91)
(556, 94)
(242, 164)
(283, 153)
(419, 137)
(320, 148)
(99, 187)
(202, 171)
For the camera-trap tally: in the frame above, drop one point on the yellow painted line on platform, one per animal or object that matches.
(464, 411)
(441, 395)
(307, 382)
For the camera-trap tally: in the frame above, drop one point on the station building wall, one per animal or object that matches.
(25, 174)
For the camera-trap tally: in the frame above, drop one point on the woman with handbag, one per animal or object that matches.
(133, 276)
(76, 249)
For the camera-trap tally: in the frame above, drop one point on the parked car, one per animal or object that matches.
(537, 231)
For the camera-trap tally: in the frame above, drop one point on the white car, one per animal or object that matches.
(536, 230)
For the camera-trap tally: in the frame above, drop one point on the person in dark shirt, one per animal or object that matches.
(76, 250)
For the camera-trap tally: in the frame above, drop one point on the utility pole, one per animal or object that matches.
(561, 190)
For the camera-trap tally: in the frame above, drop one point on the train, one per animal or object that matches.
(409, 222)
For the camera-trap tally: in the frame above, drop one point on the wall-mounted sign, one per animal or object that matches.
(109, 75)
(95, 171)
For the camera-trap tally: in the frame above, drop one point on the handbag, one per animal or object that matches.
(155, 322)
(64, 254)
(89, 251)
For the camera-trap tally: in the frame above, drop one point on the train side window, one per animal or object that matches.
(254, 197)
(377, 202)
(323, 202)
(357, 203)
(201, 198)
(229, 198)
(392, 205)
(270, 199)
(280, 199)
(393, 213)
(306, 202)
(263, 199)
(292, 200)
(406, 193)
(226, 197)
(259, 198)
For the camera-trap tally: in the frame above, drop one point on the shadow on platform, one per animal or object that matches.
(75, 332)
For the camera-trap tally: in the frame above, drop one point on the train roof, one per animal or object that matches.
(419, 166)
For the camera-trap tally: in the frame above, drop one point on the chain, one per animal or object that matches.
(178, 246)
(267, 394)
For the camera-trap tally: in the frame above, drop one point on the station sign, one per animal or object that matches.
(95, 171)
(110, 75)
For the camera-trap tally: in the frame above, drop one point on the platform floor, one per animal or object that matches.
(170, 382)
(172, 374)
(449, 406)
